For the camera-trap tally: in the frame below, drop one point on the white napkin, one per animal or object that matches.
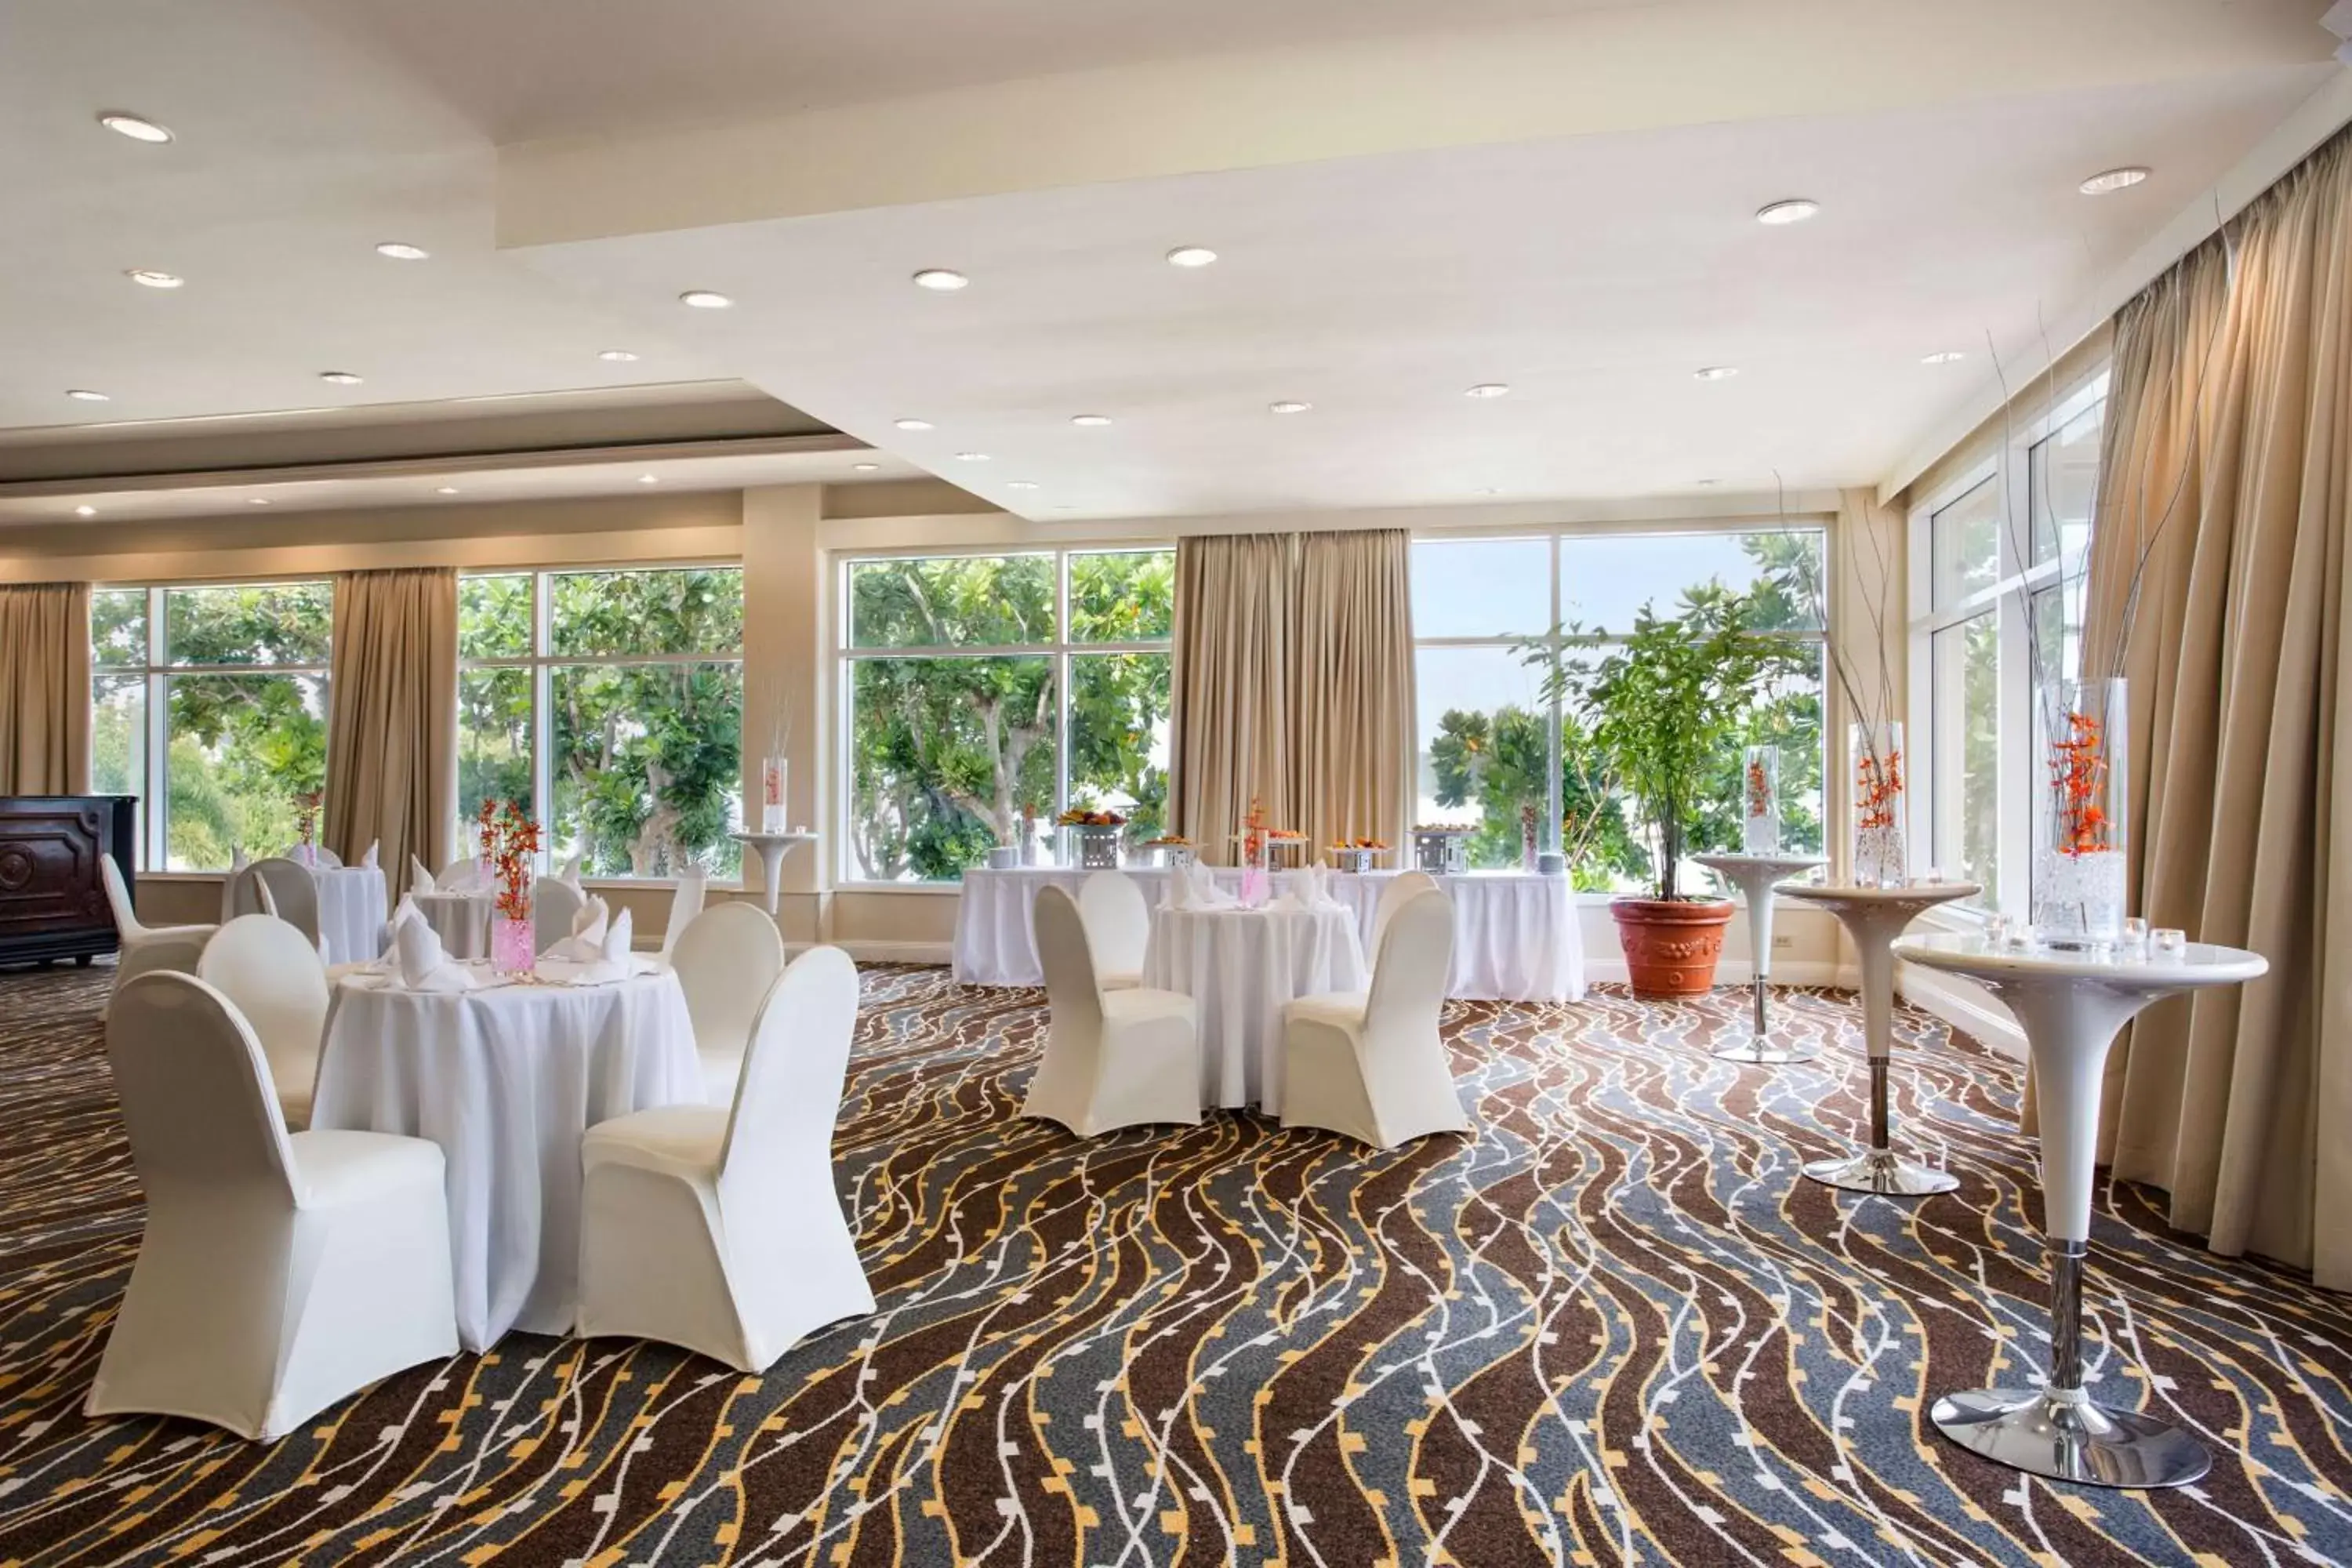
(369, 859)
(1314, 887)
(466, 879)
(569, 875)
(589, 930)
(612, 960)
(420, 964)
(693, 887)
(420, 880)
(1196, 889)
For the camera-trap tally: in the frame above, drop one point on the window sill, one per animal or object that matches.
(895, 890)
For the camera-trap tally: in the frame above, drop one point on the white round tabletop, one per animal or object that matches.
(1921, 893)
(1731, 864)
(2198, 963)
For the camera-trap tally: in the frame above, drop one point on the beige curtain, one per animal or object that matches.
(1293, 686)
(392, 738)
(2227, 470)
(44, 688)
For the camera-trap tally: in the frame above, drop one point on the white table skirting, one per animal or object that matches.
(507, 1081)
(351, 912)
(1240, 966)
(462, 922)
(1515, 934)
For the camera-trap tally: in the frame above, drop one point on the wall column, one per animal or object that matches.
(784, 628)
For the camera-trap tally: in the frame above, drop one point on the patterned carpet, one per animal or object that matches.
(1614, 1327)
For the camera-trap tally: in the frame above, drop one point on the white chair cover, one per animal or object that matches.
(554, 905)
(720, 1228)
(726, 960)
(146, 949)
(1372, 1066)
(1403, 886)
(293, 896)
(278, 1273)
(1115, 1059)
(1119, 926)
(693, 887)
(273, 977)
(238, 861)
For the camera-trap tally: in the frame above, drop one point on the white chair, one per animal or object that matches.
(1372, 1064)
(554, 905)
(462, 866)
(326, 857)
(292, 895)
(272, 976)
(1113, 1059)
(726, 960)
(1118, 928)
(1403, 886)
(720, 1228)
(146, 949)
(279, 1272)
(685, 905)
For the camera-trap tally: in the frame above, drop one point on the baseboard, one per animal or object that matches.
(1965, 1006)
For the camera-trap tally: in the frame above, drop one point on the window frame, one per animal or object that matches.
(542, 663)
(2010, 596)
(846, 656)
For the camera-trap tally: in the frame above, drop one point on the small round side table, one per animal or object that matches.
(1755, 875)
(1874, 917)
(771, 848)
(2071, 1004)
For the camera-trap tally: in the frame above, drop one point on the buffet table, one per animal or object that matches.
(1515, 934)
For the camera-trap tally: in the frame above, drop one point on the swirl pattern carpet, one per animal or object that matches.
(1613, 1327)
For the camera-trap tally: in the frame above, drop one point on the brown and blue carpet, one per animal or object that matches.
(1612, 1327)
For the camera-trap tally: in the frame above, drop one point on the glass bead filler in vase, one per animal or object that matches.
(1760, 796)
(1881, 856)
(2080, 839)
(513, 949)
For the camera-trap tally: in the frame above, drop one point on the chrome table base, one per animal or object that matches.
(1758, 1049)
(1877, 1169)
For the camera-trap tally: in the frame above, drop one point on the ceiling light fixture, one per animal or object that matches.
(616, 357)
(1782, 214)
(1288, 406)
(1715, 372)
(1487, 389)
(2108, 180)
(84, 511)
(1090, 421)
(1943, 356)
(941, 279)
(401, 250)
(972, 456)
(447, 490)
(704, 300)
(84, 394)
(137, 127)
(1020, 484)
(151, 279)
(867, 468)
(1191, 256)
(257, 500)
(339, 377)
(649, 479)
(912, 424)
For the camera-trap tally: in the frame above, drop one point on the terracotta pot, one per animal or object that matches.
(1671, 947)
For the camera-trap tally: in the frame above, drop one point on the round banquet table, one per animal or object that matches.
(1240, 966)
(462, 922)
(351, 910)
(507, 1079)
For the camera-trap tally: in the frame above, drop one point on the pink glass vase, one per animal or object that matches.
(513, 949)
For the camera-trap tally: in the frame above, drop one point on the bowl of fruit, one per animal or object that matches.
(1357, 855)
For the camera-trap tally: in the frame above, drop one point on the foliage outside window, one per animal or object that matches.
(985, 694)
(610, 704)
(212, 701)
(1492, 618)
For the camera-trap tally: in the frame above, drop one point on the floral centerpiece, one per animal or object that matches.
(306, 825)
(510, 844)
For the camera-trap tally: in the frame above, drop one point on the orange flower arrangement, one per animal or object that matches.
(509, 842)
(306, 815)
(1878, 789)
(1760, 790)
(2078, 767)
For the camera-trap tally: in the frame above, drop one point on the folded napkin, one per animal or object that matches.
(589, 930)
(420, 880)
(611, 961)
(465, 878)
(569, 875)
(420, 964)
(369, 859)
(1313, 888)
(1193, 887)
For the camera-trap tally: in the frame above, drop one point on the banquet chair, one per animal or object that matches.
(275, 980)
(685, 905)
(1372, 1064)
(145, 949)
(717, 1226)
(554, 905)
(727, 959)
(455, 869)
(293, 895)
(1118, 928)
(1113, 1059)
(279, 1272)
(1403, 886)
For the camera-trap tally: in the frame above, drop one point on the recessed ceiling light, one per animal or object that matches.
(1288, 406)
(972, 456)
(1020, 484)
(401, 250)
(941, 279)
(84, 394)
(1943, 356)
(2111, 180)
(1487, 389)
(339, 377)
(1090, 421)
(1796, 209)
(257, 500)
(616, 357)
(912, 424)
(1489, 491)
(155, 279)
(1191, 256)
(649, 479)
(705, 300)
(447, 490)
(1703, 484)
(136, 127)
(84, 511)
(1717, 372)
(867, 468)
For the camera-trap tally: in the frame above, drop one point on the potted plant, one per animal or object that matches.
(1663, 708)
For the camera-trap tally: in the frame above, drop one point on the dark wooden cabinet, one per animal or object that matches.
(52, 896)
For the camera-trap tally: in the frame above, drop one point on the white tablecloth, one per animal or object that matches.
(506, 1081)
(462, 922)
(351, 912)
(1240, 966)
(1515, 934)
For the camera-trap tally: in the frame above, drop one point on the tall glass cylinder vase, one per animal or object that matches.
(775, 773)
(1881, 854)
(513, 946)
(2081, 814)
(1759, 799)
